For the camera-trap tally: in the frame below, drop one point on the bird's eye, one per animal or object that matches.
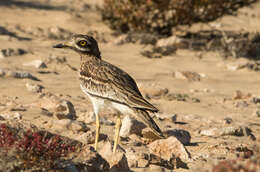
(82, 43)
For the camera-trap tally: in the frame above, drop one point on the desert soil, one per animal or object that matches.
(220, 104)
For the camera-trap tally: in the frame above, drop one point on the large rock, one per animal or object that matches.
(168, 149)
(117, 161)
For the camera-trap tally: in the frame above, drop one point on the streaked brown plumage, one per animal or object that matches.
(107, 85)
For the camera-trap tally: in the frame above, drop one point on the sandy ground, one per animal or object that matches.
(215, 91)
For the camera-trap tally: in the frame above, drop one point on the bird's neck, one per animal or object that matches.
(88, 57)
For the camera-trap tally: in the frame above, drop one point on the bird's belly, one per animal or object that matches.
(99, 103)
(121, 108)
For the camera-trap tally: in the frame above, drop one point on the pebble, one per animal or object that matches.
(257, 112)
(187, 75)
(164, 116)
(11, 52)
(232, 130)
(35, 88)
(36, 63)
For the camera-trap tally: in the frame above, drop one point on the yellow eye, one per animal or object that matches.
(83, 43)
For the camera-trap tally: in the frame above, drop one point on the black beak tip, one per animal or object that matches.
(58, 46)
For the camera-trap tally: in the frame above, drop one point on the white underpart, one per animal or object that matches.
(99, 104)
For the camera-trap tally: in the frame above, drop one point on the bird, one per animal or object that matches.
(108, 86)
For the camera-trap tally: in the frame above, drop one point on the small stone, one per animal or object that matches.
(170, 41)
(241, 104)
(17, 116)
(117, 161)
(36, 63)
(187, 75)
(182, 135)
(170, 148)
(58, 106)
(254, 99)
(20, 75)
(35, 88)
(209, 132)
(240, 95)
(238, 64)
(152, 91)
(232, 130)
(257, 112)
(131, 126)
(228, 120)
(164, 116)
(11, 52)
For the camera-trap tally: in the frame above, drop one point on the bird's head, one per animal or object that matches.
(82, 44)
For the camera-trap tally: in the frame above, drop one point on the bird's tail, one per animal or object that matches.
(148, 120)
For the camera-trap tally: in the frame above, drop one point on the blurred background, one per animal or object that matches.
(198, 61)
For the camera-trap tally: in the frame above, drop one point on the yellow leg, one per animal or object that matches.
(117, 130)
(97, 131)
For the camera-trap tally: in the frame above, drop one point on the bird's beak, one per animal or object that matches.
(63, 45)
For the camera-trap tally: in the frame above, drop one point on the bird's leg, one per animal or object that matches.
(117, 130)
(97, 131)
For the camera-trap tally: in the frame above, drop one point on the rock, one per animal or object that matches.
(118, 161)
(149, 136)
(75, 126)
(209, 132)
(35, 88)
(36, 63)
(164, 116)
(152, 91)
(87, 137)
(131, 126)
(240, 95)
(255, 99)
(168, 149)
(60, 107)
(241, 104)
(170, 41)
(55, 59)
(58, 33)
(238, 64)
(17, 74)
(11, 116)
(232, 130)
(257, 112)
(11, 52)
(187, 75)
(136, 159)
(182, 135)
(228, 120)
(92, 161)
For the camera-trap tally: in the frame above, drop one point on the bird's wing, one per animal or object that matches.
(108, 81)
